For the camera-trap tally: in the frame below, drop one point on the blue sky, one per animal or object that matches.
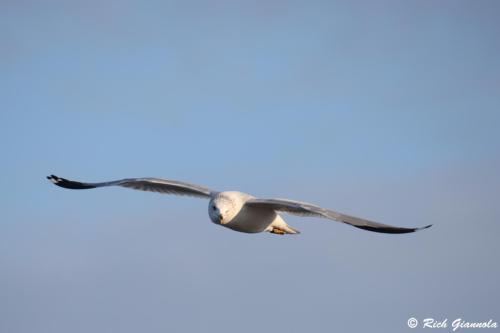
(386, 110)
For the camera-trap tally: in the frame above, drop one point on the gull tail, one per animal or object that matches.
(280, 227)
(290, 230)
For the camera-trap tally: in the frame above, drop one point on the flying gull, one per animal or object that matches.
(240, 211)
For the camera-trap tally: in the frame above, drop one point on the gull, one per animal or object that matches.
(237, 210)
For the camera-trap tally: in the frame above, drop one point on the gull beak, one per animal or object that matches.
(220, 218)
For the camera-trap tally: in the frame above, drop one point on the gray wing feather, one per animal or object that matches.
(143, 184)
(306, 209)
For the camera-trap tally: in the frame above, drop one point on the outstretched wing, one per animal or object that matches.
(306, 209)
(143, 184)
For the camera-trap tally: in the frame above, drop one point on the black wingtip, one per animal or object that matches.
(61, 182)
(421, 228)
(392, 230)
(53, 179)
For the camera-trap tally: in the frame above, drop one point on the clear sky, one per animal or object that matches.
(388, 110)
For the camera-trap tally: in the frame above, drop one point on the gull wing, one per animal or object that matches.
(143, 184)
(306, 209)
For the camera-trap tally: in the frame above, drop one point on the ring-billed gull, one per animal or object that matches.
(240, 211)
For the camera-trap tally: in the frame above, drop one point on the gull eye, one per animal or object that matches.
(213, 207)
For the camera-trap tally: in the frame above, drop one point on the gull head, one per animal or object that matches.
(224, 207)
